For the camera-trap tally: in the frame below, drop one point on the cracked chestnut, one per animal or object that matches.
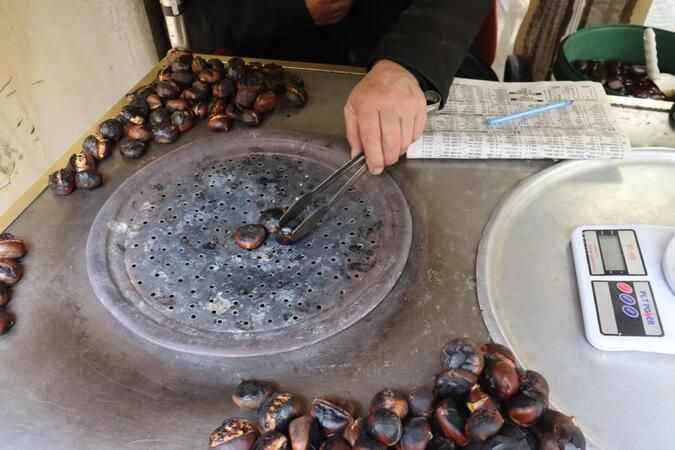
(556, 431)
(332, 417)
(234, 434)
(82, 161)
(500, 378)
(154, 101)
(335, 443)
(11, 271)
(167, 89)
(97, 146)
(209, 76)
(454, 382)
(483, 424)
(533, 384)
(5, 294)
(11, 247)
(133, 114)
(272, 440)
(198, 64)
(462, 354)
(177, 104)
(224, 89)
(250, 236)
(219, 123)
(166, 134)
(421, 402)
(385, 426)
(296, 95)
(159, 117)
(354, 431)
(524, 410)
(479, 400)
(416, 434)
(249, 394)
(62, 182)
(200, 110)
(139, 133)
(7, 321)
(305, 433)
(111, 129)
(164, 74)
(392, 400)
(270, 219)
(132, 148)
(278, 410)
(451, 419)
(183, 120)
(265, 102)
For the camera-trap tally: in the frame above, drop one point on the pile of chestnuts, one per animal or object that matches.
(621, 78)
(481, 400)
(189, 89)
(11, 271)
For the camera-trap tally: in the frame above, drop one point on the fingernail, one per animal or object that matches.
(376, 170)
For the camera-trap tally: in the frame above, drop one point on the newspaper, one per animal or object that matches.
(583, 131)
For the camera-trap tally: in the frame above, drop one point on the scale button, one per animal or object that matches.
(624, 287)
(630, 311)
(627, 299)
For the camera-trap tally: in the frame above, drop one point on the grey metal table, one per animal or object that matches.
(71, 377)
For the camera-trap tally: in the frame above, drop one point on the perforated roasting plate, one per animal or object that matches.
(162, 259)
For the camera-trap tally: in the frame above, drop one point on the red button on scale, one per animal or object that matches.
(624, 287)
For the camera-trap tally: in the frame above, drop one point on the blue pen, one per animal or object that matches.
(494, 121)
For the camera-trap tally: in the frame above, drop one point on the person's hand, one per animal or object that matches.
(385, 113)
(328, 12)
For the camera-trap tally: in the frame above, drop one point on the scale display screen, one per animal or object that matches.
(610, 247)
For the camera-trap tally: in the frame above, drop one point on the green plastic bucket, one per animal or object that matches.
(611, 42)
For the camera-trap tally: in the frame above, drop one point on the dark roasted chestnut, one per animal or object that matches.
(533, 384)
(7, 321)
(139, 133)
(111, 129)
(462, 354)
(439, 442)
(483, 423)
(249, 394)
(176, 53)
(183, 120)
(354, 430)
(82, 161)
(246, 95)
(210, 76)
(141, 94)
(524, 410)
(332, 417)
(182, 63)
(335, 443)
(296, 95)
(496, 351)
(167, 89)
(159, 117)
(512, 437)
(392, 400)
(270, 219)
(192, 94)
(132, 148)
(166, 134)
(365, 442)
(5, 294)
(88, 179)
(154, 101)
(451, 419)
(198, 64)
(305, 433)
(62, 182)
(421, 402)
(454, 382)
(500, 378)
(266, 102)
(11, 271)
(224, 89)
(97, 146)
(557, 431)
(217, 106)
(216, 64)
(11, 247)
(234, 434)
(274, 78)
(182, 78)
(236, 68)
(177, 104)
(384, 426)
(416, 434)
(200, 110)
(278, 410)
(133, 114)
(219, 123)
(250, 236)
(272, 440)
(164, 74)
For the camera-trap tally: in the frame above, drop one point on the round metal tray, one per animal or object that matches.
(162, 259)
(528, 294)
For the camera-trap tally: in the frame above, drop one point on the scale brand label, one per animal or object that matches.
(626, 308)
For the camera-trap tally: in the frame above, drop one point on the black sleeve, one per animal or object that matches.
(432, 37)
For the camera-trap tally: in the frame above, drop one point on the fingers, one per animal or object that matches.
(407, 131)
(371, 139)
(390, 127)
(419, 123)
(352, 131)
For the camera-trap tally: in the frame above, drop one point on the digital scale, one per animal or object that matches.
(626, 280)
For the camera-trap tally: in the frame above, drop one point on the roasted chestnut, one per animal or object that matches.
(111, 129)
(139, 133)
(176, 53)
(495, 351)
(132, 148)
(200, 110)
(512, 437)
(305, 433)
(62, 182)
(234, 434)
(390, 399)
(296, 95)
(182, 63)
(500, 378)
(198, 64)
(250, 236)
(11, 271)
(416, 434)
(265, 102)
(177, 104)
(209, 76)
(233, 111)
(88, 179)
(335, 443)
(183, 120)
(82, 161)
(11, 247)
(249, 394)
(454, 382)
(270, 219)
(216, 64)
(191, 94)
(219, 123)
(5, 294)
(558, 431)
(7, 321)
(272, 440)
(97, 146)
(462, 354)
(332, 417)
(159, 117)
(246, 95)
(182, 78)
(533, 384)
(217, 106)
(166, 134)
(285, 236)
(278, 410)
(274, 78)
(167, 89)
(421, 402)
(441, 443)
(133, 114)
(154, 101)
(164, 74)
(365, 442)
(354, 431)
(384, 426)
(524, 410)
(236, 68)
(483, 423)
(224, 89)
(451, 420)
(479, 400)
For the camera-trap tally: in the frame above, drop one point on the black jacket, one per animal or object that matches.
(429, 37)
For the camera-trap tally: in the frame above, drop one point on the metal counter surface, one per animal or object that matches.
(72, 378)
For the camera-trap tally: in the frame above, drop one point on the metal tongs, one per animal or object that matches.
(320, 197)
